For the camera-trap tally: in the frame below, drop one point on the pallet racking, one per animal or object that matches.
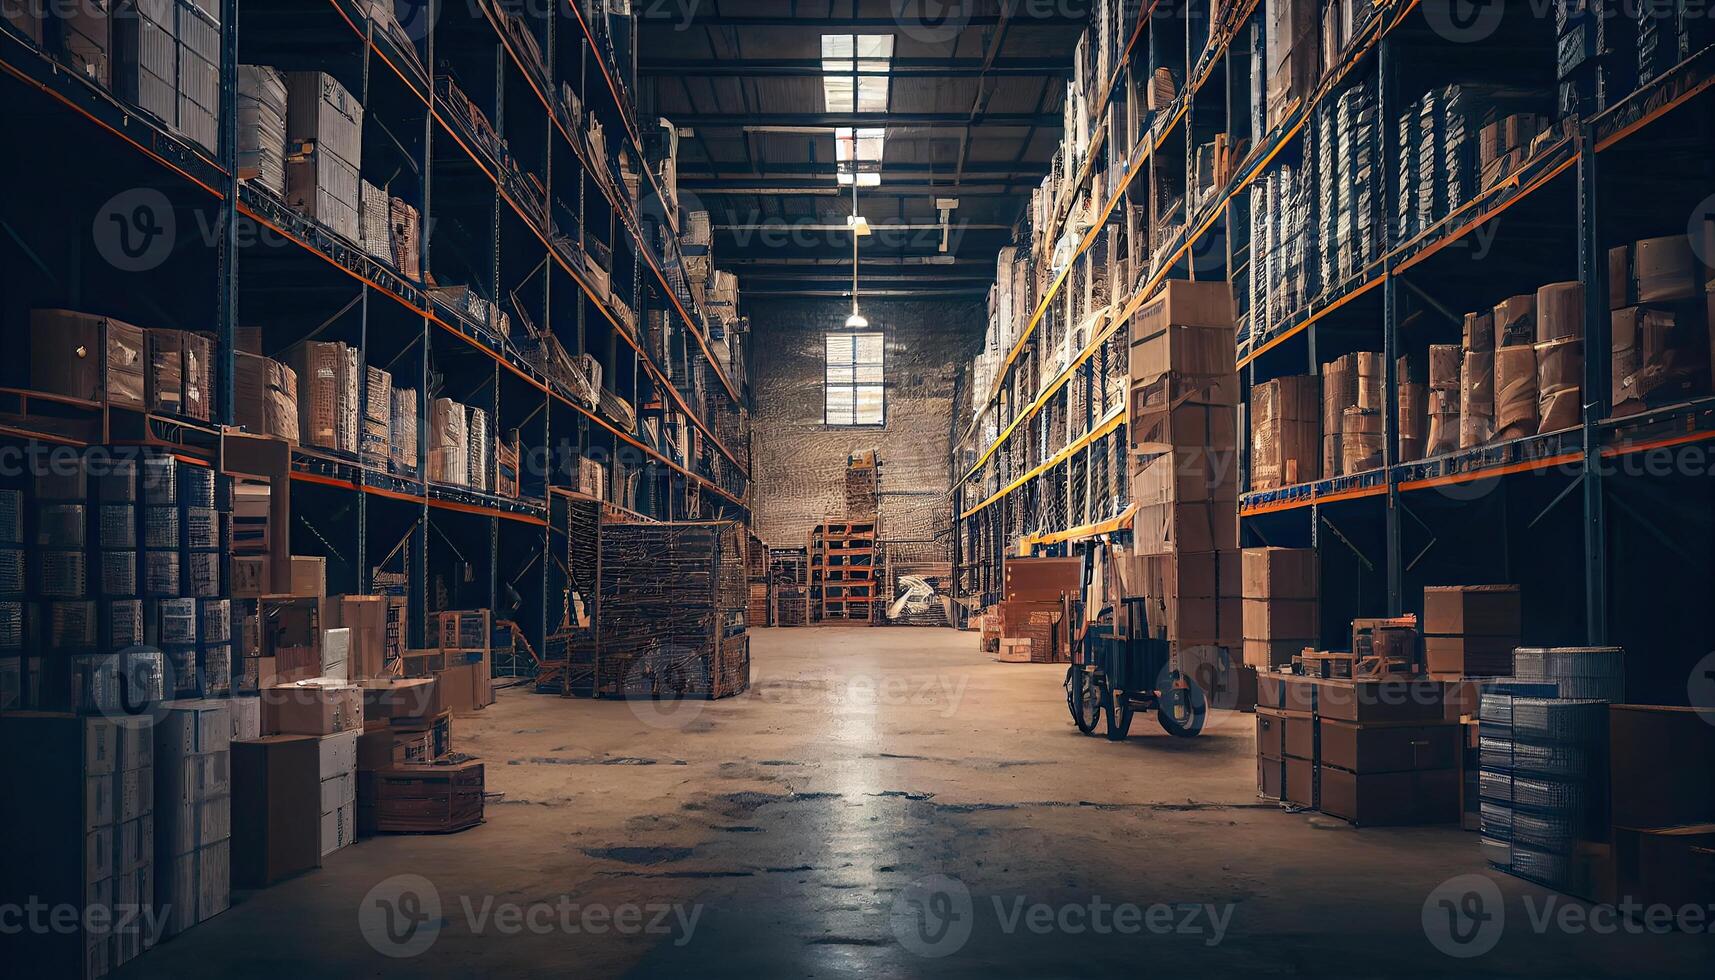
(541, 224)
(1040, 467)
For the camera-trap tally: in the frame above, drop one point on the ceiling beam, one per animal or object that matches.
(865, 120)
(966, 191)
(774, 170)
(702, 15)
(899, 68)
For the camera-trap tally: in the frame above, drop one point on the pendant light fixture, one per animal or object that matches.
(860, 228)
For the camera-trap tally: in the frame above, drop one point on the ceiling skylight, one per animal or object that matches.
(858, 151)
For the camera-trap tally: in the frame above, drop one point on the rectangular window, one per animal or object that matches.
(853, 383)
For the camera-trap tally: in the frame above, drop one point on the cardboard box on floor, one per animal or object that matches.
(275, 816)
(365, 616)
(315, 707)
(466, 688)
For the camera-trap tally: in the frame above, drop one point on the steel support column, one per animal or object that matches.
(1592, 273)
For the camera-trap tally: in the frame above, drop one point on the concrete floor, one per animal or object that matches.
(836, 821)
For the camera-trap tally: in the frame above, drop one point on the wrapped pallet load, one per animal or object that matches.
(1560, 356)
(1445, 366)
(1413, 408)
(1286, 432)
(1339, 392)
(1477, 382)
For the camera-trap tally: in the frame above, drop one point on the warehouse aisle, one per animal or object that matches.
(782, 832)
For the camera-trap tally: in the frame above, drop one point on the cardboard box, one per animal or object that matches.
(249, 577)
(1390, 798)
(1185, 574)
(1379, 701)
(1186, 476)
(1471, 610)
(1665, 866)
(275, 816)
(1660, 765)
(1300, 782)
(1288, 692)
(465, 688)
(265, 396)
(309, 577)
(1264, 655)
(1365, 749)
(1162, 528)
(386, 699)
(1280, 573)
(1300, 737)
(1469, 656)
(1282, 619)
(1186, 329)
(1270, 733)
(312, 708)
(89, 357)
(1271, 778)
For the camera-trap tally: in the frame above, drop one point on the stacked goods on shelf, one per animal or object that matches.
(162, 56)
(1184, 390)
(1544, 786)
(1281, 203)
(671, 611)
(1464, 138)
(193, 813)
(265, 396)
(1662, 799)
(1506, 143)
(262, 127)
(1595, 61)
(788, 575)
(1657, 295)
(1035, 613)
(1293, 38)
(1357, 194)
(1339, 393)
(1515, 390)
(61, 345)
(1413, 408)
(1372, 752)
(178, 380)
(375, 429)
(1322, 150)
(324, 133)
(1559, 356)
(1470, 630)
(82, 797)
(1286, 432)
(374, 221)
(1446, 363)
(478, 472)
(1477, 381)
(1282, 612)
(327, 374)
(449, 448)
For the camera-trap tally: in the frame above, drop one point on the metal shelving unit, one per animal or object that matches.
(1552, 212)
(516, 229)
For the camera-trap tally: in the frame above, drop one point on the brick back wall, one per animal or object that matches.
(799, 463)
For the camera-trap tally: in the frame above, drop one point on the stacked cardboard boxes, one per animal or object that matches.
(331, 711)
(425, 798)
(1413, 409)
(1292, 45)
(402, 432)
(449, 450)
(1375, 753)
(1515, 388)
(1282, 612)
(265, 396)
(375, 430)
(82, 798)
(1184, 461)
(1477, 381)
(327, 374)
(1339, 394)
(1286, 431)
(1032, 616)
(193, 812)
(1470, 630)
(1659, 298)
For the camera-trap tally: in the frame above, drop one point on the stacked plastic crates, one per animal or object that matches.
(1544, 739)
